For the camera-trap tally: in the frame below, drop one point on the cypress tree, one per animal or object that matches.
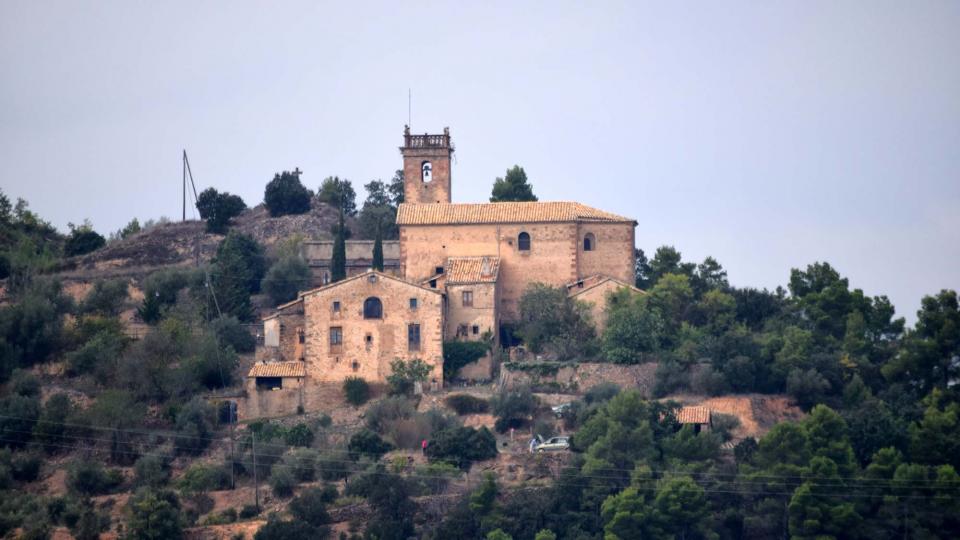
(339, 263)
(378, 251)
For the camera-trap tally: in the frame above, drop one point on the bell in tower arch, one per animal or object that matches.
(426, 171)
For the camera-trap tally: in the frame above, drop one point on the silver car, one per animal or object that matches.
(560, 410)
(554, 444)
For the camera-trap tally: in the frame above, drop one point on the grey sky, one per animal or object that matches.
(769, 134)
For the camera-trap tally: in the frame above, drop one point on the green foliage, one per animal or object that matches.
(282, 481)
(498, 534)
(51, 429)
(338, 261)
(154, 515)
(288, 530)
(467, 404)
(379, 213)
(310, 505)
(302, 463)
(83, 240)
(404, 375)
(552, 321)
(338, 194)
(286, 195)
(299, 435)
(807, 387)
(670, 377)
(194, 427)
(457, 354)
(232, 334)
(512, 187)
(160, 291)
(217, 209)
(31, 330)
(513, 407)
(88, 477)
(461, 446)
(18, 416)
(105, 298)
(204, 477)
(366, 443)
(356, 391)
(393, 509)
(633, 329)
(377, 263)
(930, 351)
(936, 437)
(602, 392)
(151, 470)
(286, 278)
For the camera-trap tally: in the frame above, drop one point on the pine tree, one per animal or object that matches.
(338, 269)
(378, 251)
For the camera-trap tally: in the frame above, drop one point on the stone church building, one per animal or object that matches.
(460, 270)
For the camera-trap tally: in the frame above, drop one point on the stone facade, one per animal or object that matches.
(593, 291)
(359, 255)
(426, 167)
(343, 340)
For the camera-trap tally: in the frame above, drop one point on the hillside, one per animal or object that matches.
(183, 243)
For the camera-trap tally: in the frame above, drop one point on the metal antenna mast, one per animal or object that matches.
(187, 173)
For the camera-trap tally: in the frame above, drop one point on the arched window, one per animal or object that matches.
(372, 308)
(426, 171)
(523, 242)
(589, 242)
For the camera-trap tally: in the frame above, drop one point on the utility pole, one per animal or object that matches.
(187, 173)
(256, 482)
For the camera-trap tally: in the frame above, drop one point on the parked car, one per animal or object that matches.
(553, 444)
(560, 410)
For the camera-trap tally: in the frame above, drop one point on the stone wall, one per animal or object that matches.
(369, 345)
(553, 258)
(596, 298)
(268, 403)
(482, 314)
(576, 378)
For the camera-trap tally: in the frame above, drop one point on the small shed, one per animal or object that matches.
(696, 415)
(274, 389)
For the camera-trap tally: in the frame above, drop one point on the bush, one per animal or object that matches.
(98, 355)
(248, 511)
(50, 428)
(105, 298)
(302, 463)
(151, 470)
(356, 391)
(18, 416)
(708, 381)
(410, 432)
(82, 241)
(467, 404)
(299, 435)
(404, 375)
(232, 334)
(669, 377)
(287, 277)
(204, 477)
(194, 427)
(462, 446)
(744, 450)
(601, 392)
(545, 428)
(513, 408)
(457, 354)
(217, 209)
(311, 505)
(287, 530)
(551, 320)
(380, 413)
(334, 466)
(23, 383)
(282, 481)
(286, 195)
(366, 443)
(87, 477)
(724, 424)
(807, 387)
(154, 514)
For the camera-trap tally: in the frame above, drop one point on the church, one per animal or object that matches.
(458, 274)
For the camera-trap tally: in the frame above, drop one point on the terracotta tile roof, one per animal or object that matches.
(503, 212)
(472, 269)
(278, 369)
(689, 414)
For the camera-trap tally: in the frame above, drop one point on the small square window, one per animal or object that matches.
(336, 306)
(462, 330)
(433, 284)
(413, 303)
(438, 270)
(467, 298)
(475, 329)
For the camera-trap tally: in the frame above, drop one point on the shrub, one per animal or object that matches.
(50, 428)
(231, 333)
(154, 514)
(25, 467)
(467, 404)
(724, 424)
(23, 383)
(404, 375)
(18, 416)
(286, 195)
(551, 320)
(601, 392)
(462, 446)
(807, 387)
(217, 209)
(513, 408)
(302, 463)
(286, 278)
(286, 530)
(98, 355)
(708, 381)
(248, 511)
(87, 477)
(544, 428)
(194, 427)
(334, 466)
(380, 413)
(409, 432)
(457, 354)
(151, 470)
(311, 505)
(356, 391)
(669, 377)
(367, 443)
(105, 298)
(83, 240)
(282, 481)
(299, 435)
(204, 477)
(744, 450)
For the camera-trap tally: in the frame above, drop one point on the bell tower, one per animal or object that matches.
(426, 167)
